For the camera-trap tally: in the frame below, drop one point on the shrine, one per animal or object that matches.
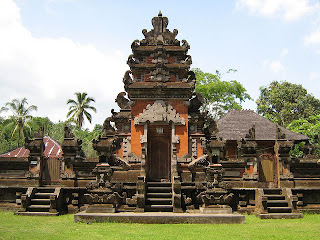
(160, 153)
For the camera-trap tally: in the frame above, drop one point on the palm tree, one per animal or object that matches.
(21, 116)
(78, 108)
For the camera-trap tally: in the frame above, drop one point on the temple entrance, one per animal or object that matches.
(159, 153)
(51, 171)
(266, 171)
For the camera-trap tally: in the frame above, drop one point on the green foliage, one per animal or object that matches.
(19, 118)
(284, 102)
(220, 96)
(78, 109)
(309, 127)
(296, 151)
(86, 136)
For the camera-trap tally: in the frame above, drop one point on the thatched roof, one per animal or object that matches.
(236, 124)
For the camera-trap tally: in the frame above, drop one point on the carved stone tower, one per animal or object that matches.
(159, 86)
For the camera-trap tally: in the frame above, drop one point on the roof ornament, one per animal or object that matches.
(160, 33)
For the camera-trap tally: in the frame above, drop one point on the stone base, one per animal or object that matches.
(160, 218)
(216, 209)
(45, 214)
(280, 215)
(101, 208)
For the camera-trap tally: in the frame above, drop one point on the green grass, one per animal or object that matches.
(63, 227)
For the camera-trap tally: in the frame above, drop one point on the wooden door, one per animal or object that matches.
(159, 153)
(266, 170)
(51, 171)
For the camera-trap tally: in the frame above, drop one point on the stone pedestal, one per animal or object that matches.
(216, 209)
(101, 208)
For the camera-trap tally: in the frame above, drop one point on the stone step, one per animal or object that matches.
(46, 190)
(277, 203)
(279, 210)
(159, 201)
(38, 208)
(42, 195)
(159, 195)
(275, 197)
(40, 201)
(36, 214)
(159, 184)
(272, 191)
(159, 208)
(280, 215)
(159, 189)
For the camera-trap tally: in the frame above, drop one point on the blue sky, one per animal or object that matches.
(53, 48)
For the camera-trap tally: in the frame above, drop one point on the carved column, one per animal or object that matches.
(284, 160)
(36, 158)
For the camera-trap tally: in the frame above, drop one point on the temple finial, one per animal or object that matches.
(160, 14)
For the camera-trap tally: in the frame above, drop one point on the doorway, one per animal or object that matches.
(159, 153)
(51, 171)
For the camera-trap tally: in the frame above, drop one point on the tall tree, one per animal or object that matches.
(310, 127)
(20, 117)
(283, 102)
(219, 96)
(79, 107)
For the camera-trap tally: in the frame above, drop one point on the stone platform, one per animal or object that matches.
(280, 215)
(36, 214)
(160, 218)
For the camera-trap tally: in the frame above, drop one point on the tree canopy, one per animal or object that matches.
(284, 102)
(21, 115)
(310, 127)
(219, 96)
(79, 108)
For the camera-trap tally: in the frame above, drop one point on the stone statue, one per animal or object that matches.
(122, 102)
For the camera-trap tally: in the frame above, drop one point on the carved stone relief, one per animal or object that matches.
(159, 113)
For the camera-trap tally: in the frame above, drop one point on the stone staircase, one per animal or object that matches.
(159, 197)
(41, 201)
(276, 203)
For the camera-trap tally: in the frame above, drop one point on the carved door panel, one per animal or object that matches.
(266, 170)
(51, 171)
(159, 154)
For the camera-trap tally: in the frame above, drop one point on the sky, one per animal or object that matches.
(50, 49)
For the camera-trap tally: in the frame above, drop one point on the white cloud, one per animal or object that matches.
(275, 66)
(48, 71)
(284, 52)
(286, 9)
(313, 38)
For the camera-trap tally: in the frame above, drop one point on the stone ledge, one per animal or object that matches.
(280, 215)
(45, 214)
(160, 218)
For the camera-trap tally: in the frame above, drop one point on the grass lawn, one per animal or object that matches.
(63, 227)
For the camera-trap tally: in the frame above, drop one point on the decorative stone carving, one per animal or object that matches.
(159, 113)
(159, 74)
(252, 133)
(160, 32)
(186, 158)
(127, 79)
(107, 129)
(135, 44)
(280, 134)
(196, 102)
(194, 149)
(185, 44)
(199, 163)
(133, 158)
(126, 145)
(123, 102)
